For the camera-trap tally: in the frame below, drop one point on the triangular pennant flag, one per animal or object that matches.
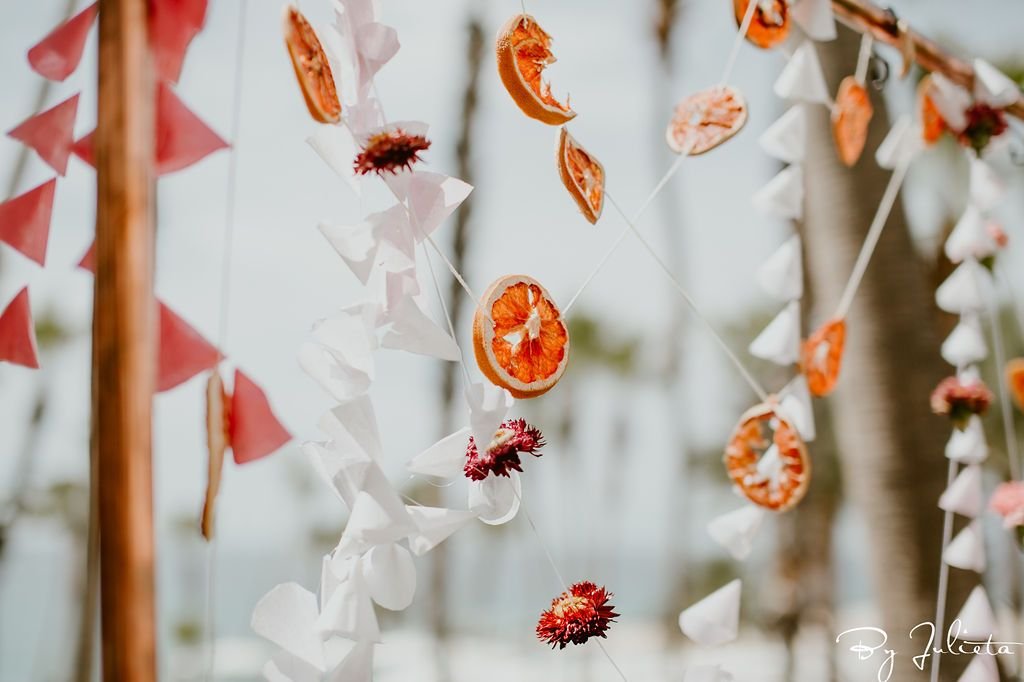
(183, 352)
(993, 87)
(967, 549)
(965, 345)
(435, 525)
(349, 612)
(51, 133)
(172, 26)
(412, 331)
(82, 148)
(964, 291)
(182, 138)
(900, 145)
(816, 18)
(336, 146)
(344, 472)
(57, 55)
(432, 197)
(779, 342)
(968, 446)
(25, 221)
(986, 187)
(803, 79)
(795, 406)
(715, 619)
(783, 196)
(970, 238)
(88, 260)
(982, 668)
(352, 427)
(390, 576)
(977, 621)
(255, 431)
(737, 529)
(964, 495)
(18, 334)
(782, 273)
(786, 139)
(445, 458)
(287, 616)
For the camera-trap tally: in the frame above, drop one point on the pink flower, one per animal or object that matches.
(958, 400)
(576, 616)
(1008, 502)
(502, 454)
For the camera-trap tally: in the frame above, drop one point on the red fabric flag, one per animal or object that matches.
(183, 352)
(172, 26)
(88, 262)
(25, 221)
(57, 55)
(51, 133)
(82, 148)
(255, 431)
(18, 334)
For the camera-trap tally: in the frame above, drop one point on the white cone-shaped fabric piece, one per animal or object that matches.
(345, 473)
(737, 529)
(965, 345)
(815, 18)
(488, 406)
(411, 330)
(349, 612)
(987, 189)
(969, 445)
(496, 499)
(355, 244)
(435, 525)
(357, 666)
(714, 619)
(982, 668)
(964, 495)
(795, 405)
(783, 196)
(334, 144)
(992, 86)
(782, 274)
(951, 100)
(964, 291)
(786, 139)
(445, 458)
(967, 549)
(901, 144)
(374, 521)
(287, 616)
(803, 79)
(977, 621)
(779, 342)
(352, 428)
(432, 198)
(390, 576)
(707, 673)
(969, 238)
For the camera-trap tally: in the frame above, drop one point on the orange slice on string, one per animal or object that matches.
(705, 120)
(772, 471)
(523, 52)
(582, 175)
(519, 338)
(218, 430)
(1015, 380)
(850, 119)
(822, 356)
(312, 69)
(932, 123)
(770, 24)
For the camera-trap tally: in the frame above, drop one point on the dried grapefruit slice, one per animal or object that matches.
(770, 472)
(311, 67)
(822, 356)
(932, 123)
(519, 339)
(770, 24)
(1015, 380)
(524, 51)
(582, 175)
(218, 428)
(850, 119)
(706, 119)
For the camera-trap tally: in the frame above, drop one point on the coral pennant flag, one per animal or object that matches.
(255, 431)
(183, 352)
(172, 26)
(25, 221)
(51, 133)
(88, 262)
(182, 138)
(17, 333)
(57, 55)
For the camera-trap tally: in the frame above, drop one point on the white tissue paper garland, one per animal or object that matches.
(982, 668)
(964, 495)
(977, 621)
(965, 345)
(737, 529)
(992, 86)
(902, 143)
(965, 290)
(782, 197)
(714, 619)
(782, 274)
(779, 342)
(802, 79)
(795, 405)
(786, 139)
(967, 549)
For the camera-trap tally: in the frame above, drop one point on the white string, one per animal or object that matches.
(940, 602)
(867, 41)
(1006, 409)
(878, 223)
(744, 372)
(737, 43)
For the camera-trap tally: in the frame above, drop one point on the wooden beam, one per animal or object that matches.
(866, 17)
(124, 360)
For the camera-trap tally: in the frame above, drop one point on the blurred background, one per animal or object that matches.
(632, 472)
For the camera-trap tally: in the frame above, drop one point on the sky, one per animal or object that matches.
(285, 276)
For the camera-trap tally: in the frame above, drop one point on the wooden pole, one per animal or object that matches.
(124, 361)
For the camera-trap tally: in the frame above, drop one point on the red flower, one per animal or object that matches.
(390, 152)
(502, 454)
(983, 123)
(959, 401)
(576, 616)
(1008, 502)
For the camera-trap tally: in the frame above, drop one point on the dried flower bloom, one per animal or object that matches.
(513, 437)
(390, 152)
(998, 235)
(959, 400)
(576, 616)
(983, 123)
(1008, 502)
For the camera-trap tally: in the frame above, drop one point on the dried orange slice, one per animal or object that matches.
(772, 473)
(582, 175)
(705, 120)
(770, 24)
(850, 119)
(1015, 380)
(519, 338)
(218, 429)
(311, 67)
(822, 356)
(524, 51)
(932, 123)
